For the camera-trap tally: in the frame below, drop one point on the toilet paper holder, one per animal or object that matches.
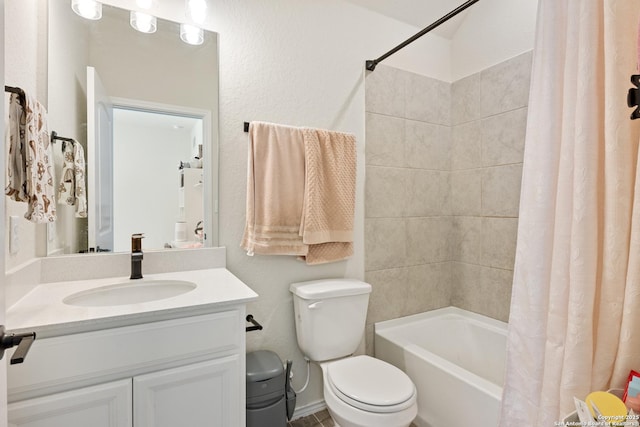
(256, 326)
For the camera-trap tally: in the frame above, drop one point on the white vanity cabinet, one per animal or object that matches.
(187, 372)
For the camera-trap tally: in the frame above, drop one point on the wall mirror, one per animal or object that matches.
(145, 109)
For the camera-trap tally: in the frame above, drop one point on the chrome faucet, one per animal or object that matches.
(136, 256)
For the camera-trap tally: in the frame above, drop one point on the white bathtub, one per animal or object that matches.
(456, 360)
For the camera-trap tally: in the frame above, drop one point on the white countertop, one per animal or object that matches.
(42, 310)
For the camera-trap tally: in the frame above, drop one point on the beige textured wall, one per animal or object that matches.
(25, 67)
(443, 171)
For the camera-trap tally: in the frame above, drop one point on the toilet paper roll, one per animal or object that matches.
(180, 232)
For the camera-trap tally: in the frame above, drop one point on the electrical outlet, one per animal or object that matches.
(14, 234)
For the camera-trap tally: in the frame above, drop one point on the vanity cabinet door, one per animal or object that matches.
(205, 394)
(104, 405)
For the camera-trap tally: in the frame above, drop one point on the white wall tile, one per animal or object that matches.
(465, 100)
(503, 138)
(428, 100)
(386, 191)
(384, 140)
(505, 87)
(466, 146)
(385, 91)
(427, 146)
(385, 242)
(499, 242)
(429, 240)
(428, 287)
(466, 192)
(389, 294)
(467, 239)
(501, 190)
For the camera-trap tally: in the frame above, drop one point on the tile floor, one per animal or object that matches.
(319, 419)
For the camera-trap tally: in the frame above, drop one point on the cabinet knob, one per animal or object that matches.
(23, 341)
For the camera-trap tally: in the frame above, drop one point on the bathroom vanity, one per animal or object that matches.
(99, 361)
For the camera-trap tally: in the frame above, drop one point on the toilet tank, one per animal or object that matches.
(330, 316)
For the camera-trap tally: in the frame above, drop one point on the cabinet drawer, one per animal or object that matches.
(62, 363)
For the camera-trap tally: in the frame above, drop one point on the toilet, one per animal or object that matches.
(360, 391)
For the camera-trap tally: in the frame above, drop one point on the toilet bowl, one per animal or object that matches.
(362, 391)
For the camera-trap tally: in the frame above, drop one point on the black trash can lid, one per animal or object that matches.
(263, 365)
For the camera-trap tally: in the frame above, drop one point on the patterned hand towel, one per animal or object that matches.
(329, 196)
(16, 187)
(72, 187)
(32, 141)
(275, 190)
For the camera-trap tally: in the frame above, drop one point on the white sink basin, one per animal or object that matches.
(131, 292)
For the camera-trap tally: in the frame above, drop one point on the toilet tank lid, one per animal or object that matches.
(329, 288)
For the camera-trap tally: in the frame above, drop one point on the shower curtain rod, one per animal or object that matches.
(371, 64)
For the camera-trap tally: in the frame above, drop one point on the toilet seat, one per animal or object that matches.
(370, 384)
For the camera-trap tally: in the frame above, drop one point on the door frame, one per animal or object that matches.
(99, 213)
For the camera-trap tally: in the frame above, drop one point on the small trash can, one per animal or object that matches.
(266, 401)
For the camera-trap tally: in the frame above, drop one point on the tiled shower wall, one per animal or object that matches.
(489, 116)
(408, 212)
(443, 170)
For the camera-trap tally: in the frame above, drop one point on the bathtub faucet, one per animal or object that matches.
(136, 256)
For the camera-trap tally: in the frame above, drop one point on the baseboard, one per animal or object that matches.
(308, 409)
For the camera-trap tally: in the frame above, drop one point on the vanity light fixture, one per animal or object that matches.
(191, 34)
(89, 9)
(196, 11)
(143, 22)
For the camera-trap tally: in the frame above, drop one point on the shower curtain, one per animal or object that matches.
(575, 309)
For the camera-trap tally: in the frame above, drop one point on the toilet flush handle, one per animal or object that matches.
(314, 305)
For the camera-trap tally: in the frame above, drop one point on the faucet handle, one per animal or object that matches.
(136, 242)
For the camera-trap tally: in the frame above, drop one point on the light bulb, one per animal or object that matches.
(143, 22)
(89, 9)
(197, 10)
(191, 34)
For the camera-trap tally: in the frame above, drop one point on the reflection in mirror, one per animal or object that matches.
(174, 198)
(157, 109)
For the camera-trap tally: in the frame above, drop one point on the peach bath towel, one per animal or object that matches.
(275, 190)
(300, 193)
(329, 196)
